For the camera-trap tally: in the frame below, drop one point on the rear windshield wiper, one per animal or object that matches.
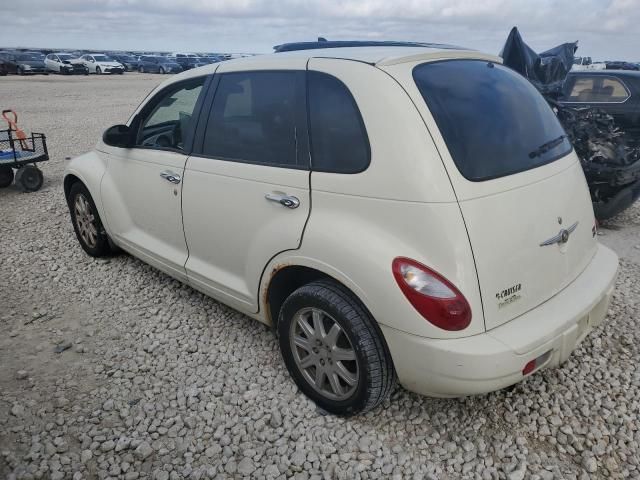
(545, 147)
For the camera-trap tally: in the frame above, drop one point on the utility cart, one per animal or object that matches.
(21, 152)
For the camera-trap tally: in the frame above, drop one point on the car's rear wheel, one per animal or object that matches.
(6, 176)
(334, 350)
(86, 222)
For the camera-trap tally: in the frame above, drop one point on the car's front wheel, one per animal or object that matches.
(98, 70)
(334, 350)
(86, 222)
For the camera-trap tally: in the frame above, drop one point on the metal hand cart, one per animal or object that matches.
(21, 152)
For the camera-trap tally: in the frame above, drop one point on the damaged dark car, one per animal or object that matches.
(599, 110)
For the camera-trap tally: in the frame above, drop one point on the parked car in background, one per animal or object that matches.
(6, 67)
(64, 63)
(619, 65)
(586, 63)
(23, 63)
(157, 64)
(617, 92)
(129, 62)
(187, 60)
(459, 254)
(100, 63)
(613, 169)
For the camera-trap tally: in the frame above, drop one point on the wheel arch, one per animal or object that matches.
(284, 275)
(88, 169)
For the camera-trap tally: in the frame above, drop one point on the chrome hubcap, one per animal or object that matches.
(323, 353)
(85, 221)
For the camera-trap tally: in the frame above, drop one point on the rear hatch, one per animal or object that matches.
(520, 187)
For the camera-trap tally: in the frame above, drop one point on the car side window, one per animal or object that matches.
(598, 89)
(339, 140)
(167, 122)
(253, 118)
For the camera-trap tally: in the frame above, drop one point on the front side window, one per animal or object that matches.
(338, 138)
(168, 123)
(494, 122)
(597, 89)
(253, 118)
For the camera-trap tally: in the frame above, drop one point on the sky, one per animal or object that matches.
(606, 29)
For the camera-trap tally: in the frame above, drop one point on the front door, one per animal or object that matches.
(142, 188)
(246, 193)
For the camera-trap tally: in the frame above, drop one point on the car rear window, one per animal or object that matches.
(494, 122)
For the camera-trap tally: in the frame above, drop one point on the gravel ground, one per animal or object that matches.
(110, 369)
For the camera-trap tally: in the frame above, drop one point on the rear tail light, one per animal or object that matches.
(432, 295)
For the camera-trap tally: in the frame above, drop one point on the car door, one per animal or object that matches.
(246, 190)
(141, 190)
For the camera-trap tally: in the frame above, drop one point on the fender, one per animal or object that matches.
(89, 168)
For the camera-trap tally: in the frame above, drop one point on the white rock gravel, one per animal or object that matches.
(164, 383)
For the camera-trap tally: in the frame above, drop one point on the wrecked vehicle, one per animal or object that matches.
(605, 138)
(617, 92)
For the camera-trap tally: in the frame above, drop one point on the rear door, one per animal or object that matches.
(246, 190)
(520, 187)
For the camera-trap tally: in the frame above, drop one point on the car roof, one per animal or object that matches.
(609, 72)
(384, 55)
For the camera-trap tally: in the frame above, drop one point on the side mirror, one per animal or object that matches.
(118, 136)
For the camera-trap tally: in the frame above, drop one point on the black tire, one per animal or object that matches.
(376, 375)
(30, 178)
(102, 246)
(21, 71)
(6, 177)
(98, 70)
(162, 70)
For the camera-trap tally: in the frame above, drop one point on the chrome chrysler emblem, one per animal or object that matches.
(562, 237)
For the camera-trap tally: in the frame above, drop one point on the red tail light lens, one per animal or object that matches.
(432, 295)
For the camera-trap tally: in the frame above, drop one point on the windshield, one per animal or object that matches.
(65, 57)
(164, 60)
(26, 57)
(494, 122)
(102, 58)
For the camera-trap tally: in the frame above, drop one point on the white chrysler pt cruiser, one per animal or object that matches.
(407, 212)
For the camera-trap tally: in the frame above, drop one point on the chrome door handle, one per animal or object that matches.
(288, 201)
(171, 177)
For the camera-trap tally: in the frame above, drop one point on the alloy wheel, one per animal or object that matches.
(324, 354)
(86, 221)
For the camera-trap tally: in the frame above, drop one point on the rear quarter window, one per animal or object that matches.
(339, 141)
(494, 122)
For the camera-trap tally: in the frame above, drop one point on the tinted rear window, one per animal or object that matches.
(494, 122)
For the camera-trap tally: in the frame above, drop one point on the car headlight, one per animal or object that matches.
(26, 67)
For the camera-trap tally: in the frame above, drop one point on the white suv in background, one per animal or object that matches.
(406, 211)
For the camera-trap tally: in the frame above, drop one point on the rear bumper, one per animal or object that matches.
(495, 359)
